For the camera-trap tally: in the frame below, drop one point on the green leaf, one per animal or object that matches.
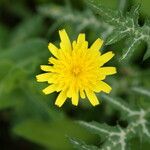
(6, 102)
(65, 15)
(123, 5)
(24, 52)
(29, 28)
(80, 145)
(49, 134)
(128, 27)
(131, 46)
(147, 54)
(36, 105)
(108, 15)
(142, 91)
(97, 128)
(134, 13)
(9, 77)
(18, 62)
(116, 137)
(117, 35)
(118, 104)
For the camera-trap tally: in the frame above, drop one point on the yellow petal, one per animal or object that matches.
(92, 97)
(60, 86)
(102, 77)
(74, 43)
(70, 92)
(97, 45)
(61, 99)
(46, 68)
(108, 70)
(105, 87)
(81, 49)
(65, 41)
(75, 98)
(53, 79)
(53, 49)
(82, 94)
(105, 57)
(84, 46)
(81, 43)
(43, 77)
(52, 60)
(81, 38)
(97, 88)
(50, 89)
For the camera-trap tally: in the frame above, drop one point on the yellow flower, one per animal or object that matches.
(76, 70)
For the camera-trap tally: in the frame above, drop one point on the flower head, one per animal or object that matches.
(76, 70)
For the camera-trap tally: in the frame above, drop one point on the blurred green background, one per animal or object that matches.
(28, 119)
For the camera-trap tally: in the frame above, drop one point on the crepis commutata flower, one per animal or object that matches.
(75, 70)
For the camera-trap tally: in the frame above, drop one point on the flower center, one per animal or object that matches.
(76, 70)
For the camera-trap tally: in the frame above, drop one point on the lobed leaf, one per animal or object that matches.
(81, 21)
(141, 90)
(126, 25)
(117, 137)
(80, 145)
